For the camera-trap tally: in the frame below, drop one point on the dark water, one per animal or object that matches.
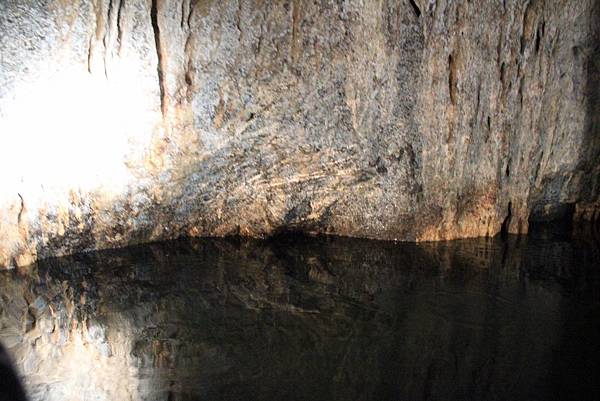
(310, 319)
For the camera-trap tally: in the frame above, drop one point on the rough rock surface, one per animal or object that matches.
(126, 121)
(319, 319)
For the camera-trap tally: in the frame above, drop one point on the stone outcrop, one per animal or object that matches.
(127, 121)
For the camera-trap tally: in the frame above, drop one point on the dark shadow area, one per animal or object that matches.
(10, 387)
(555, 222)
(301, 318)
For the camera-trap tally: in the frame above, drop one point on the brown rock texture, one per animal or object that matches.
(128, 121)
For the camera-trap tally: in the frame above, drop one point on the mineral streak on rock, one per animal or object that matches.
(127, 121)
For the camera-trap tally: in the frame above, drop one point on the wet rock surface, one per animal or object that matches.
(128, 121)
(309, 319)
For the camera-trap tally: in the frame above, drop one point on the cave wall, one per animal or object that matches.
(127, 121)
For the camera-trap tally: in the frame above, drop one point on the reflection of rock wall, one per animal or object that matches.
(126, 121)
(300, 319)
(60, 350)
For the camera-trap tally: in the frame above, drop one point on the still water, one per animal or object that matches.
(298, 318)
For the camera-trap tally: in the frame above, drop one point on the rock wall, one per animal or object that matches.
(127, 121)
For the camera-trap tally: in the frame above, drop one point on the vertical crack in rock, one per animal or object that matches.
(191, 9)
(101, 36)
(538, 37)
(115, 23)
(521, 89)
(110, 10)
(184, 5)
(120, 24)
(506, 222)
(22, 208)
(415, 8)
(159, 55)
(187, 10)
(477, 106)
(538, 166)
(89, 55)
(452, 79)
(23, 231)
(107, 36)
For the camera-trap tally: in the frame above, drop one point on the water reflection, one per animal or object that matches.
(309, 319)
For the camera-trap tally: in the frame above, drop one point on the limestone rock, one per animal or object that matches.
(127, 121)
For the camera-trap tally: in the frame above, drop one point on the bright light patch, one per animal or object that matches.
(74, 130)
